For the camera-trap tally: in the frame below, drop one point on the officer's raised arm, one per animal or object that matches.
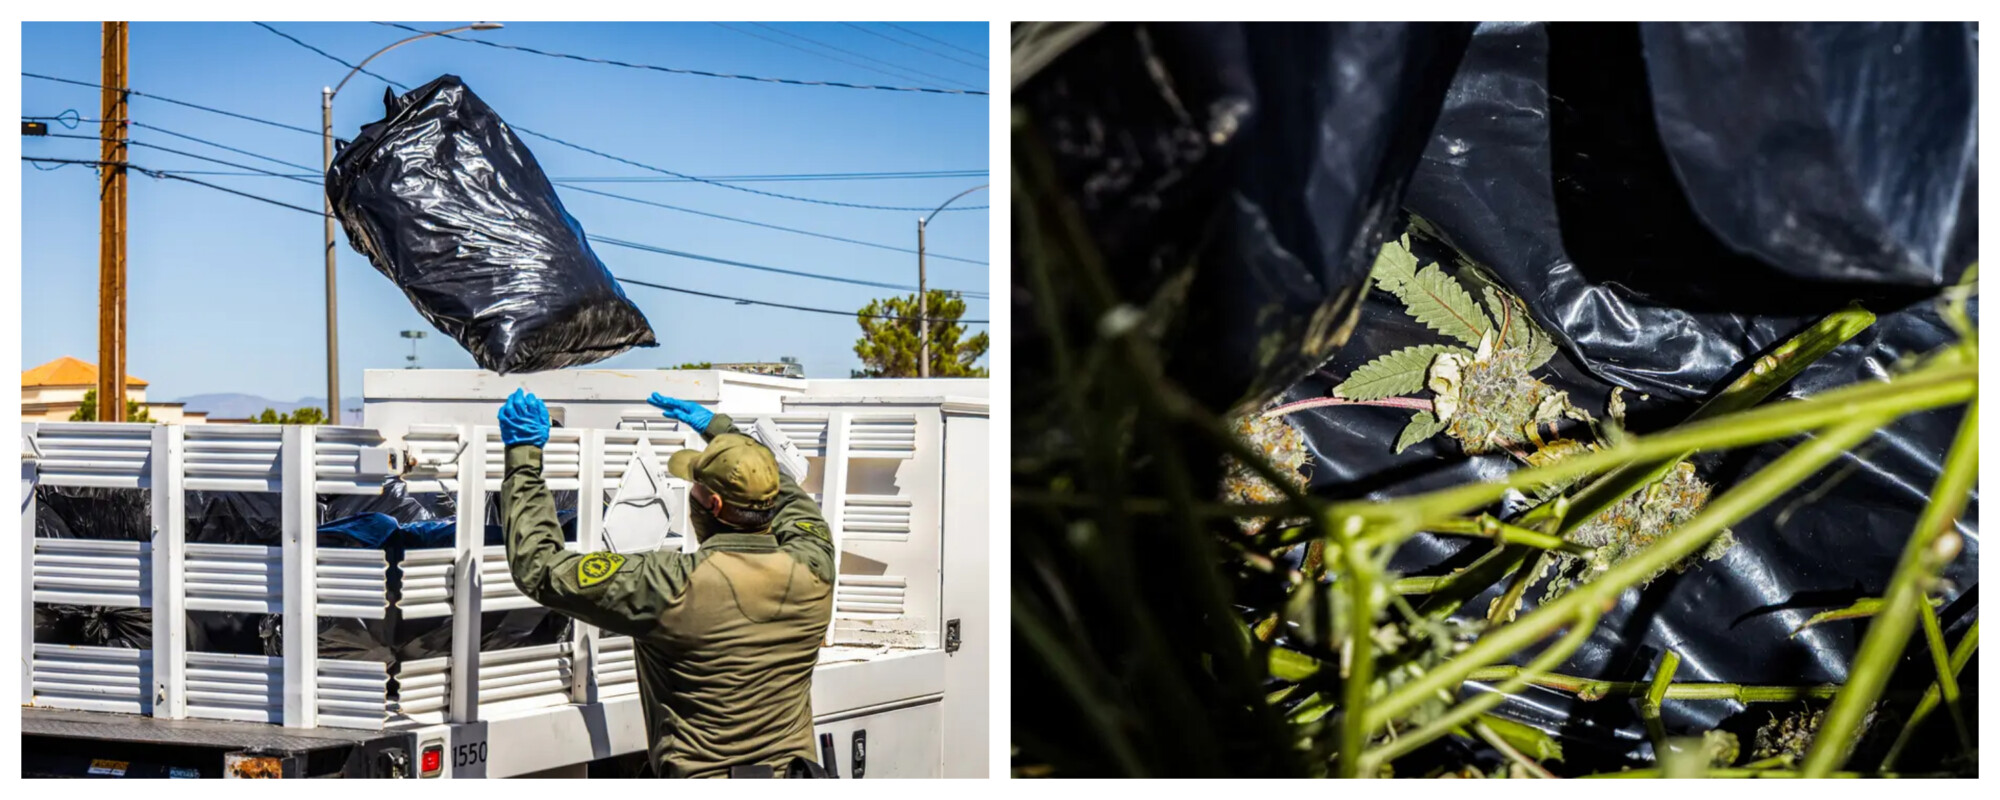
(621, 594)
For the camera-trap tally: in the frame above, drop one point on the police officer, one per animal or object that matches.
(727, 636)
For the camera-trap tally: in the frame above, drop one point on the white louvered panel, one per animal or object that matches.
(101, 454)
(109, 679)
(497, 589)
(869, 596)
(882, 436)
(423, 690)
(94, 572)
(807, 431)
(524, 677)
(351, 582)
(352, 694)
(235, 687)
(645, 419)
(617, 667)
(433, 451)
(239, 458)
(242, 578)
(620, 446)
(562, 459)
(426, 583)
(877, 518)
(337, 459)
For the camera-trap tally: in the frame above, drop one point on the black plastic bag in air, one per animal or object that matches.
(448, 203)
(84, 512)
(1595, 241)
(1245, 172)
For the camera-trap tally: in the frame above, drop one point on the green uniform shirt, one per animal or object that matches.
(727, 636)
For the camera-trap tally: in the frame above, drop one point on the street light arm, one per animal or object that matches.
(364, 62)
(954, 198)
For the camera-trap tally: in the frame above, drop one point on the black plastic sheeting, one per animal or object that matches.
(85, 512)
(1258, 167)
(393, 521)
(94, 626)
(1547, 166)
(448, 203)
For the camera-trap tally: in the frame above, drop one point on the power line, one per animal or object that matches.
(573, 145)
(695, 179)
(864, 56)
(137, 93)
(815, 54)
(740, 300)
(336, 59)
(920, 49)
(833, 311)
(785, 177)
(200, 140)
(922, 35)
(712, 215)
(150, 145)
(761, 268)
(695, 72)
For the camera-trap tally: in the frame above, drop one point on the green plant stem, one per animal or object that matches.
(1489, 527)
(1752, 494)
(1755, 773)
(1765, 376)
(1889, 633)
(1361, 583)
(1499, 743)
(1960, 656)
(1947, 681)
(1471, 709)
(1656, 693)
(1945, 382)
(1588, 689)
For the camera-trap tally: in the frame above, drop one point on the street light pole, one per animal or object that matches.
(326, 165)
(923, 297)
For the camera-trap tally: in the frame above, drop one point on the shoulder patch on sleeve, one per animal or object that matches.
(597, 568)
(810, 526)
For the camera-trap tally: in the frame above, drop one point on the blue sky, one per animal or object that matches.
(226, 294)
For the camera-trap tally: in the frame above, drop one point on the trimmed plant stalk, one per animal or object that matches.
(1889, 633)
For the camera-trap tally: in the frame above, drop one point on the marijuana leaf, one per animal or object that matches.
(1399, 373)
(1423, 425)
(1395, 265)
(1436, 300)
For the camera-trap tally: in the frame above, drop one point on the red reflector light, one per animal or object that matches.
(432, 763)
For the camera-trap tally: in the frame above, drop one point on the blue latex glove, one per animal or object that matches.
(524, 420)
(686, 411)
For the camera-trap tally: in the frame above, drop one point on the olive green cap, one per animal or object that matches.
(735, 467)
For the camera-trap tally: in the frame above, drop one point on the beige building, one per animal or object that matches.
(54, 391)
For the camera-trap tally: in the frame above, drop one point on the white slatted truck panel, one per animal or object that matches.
(887, 522)
(113, 679)
(93, 572)
(235, 687)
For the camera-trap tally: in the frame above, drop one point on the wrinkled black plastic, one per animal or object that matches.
(84, 512)
(1577, 198)
(1494, 183)
(94, 626)
(447, 202)
(1252, 169)
(1842, 152)
(255, 518)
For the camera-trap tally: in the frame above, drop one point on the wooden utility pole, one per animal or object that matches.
(111, 224)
